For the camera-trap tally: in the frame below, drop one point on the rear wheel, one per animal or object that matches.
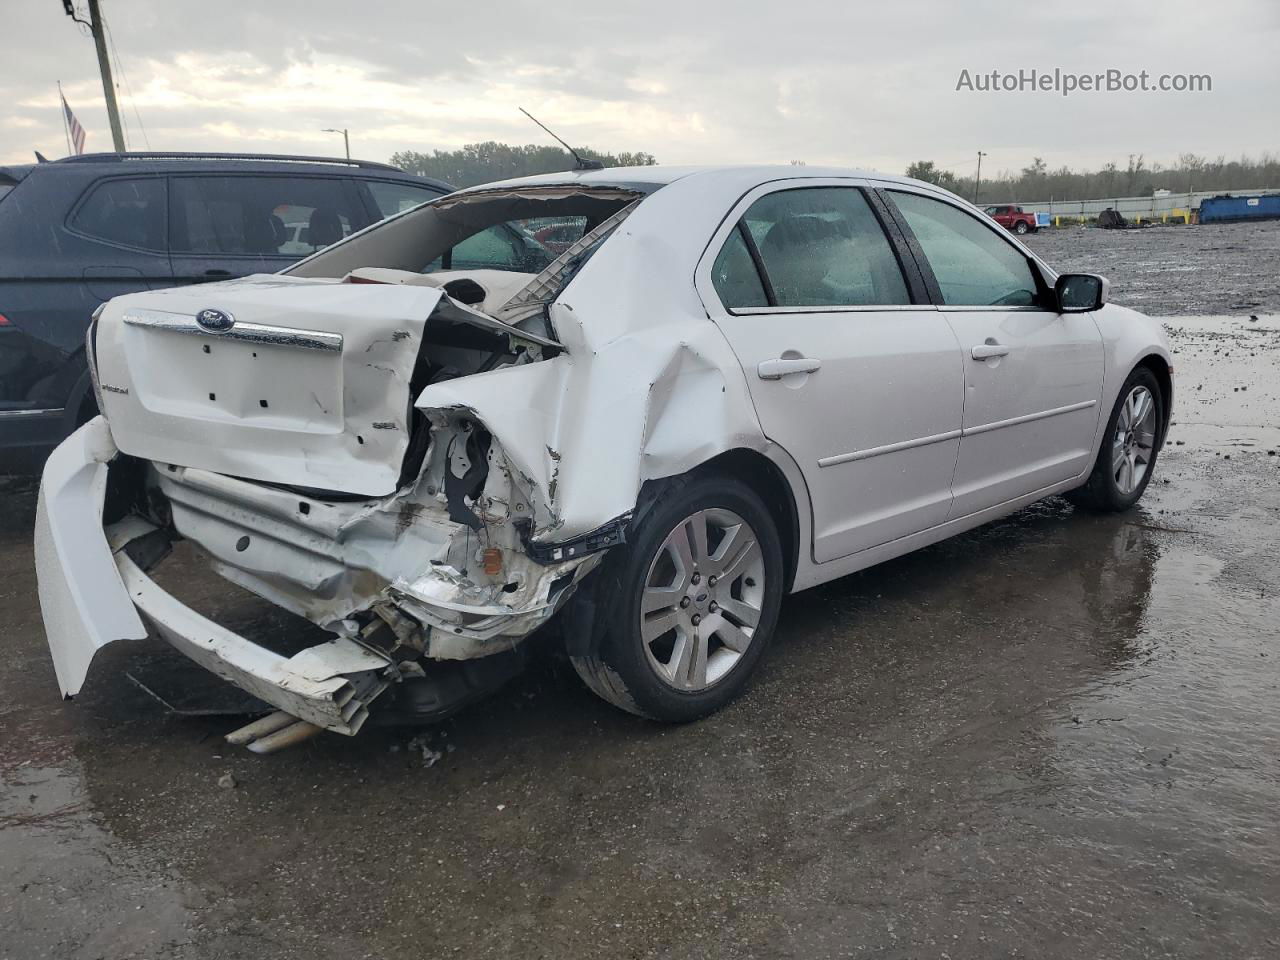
(1020, 227)
(693, 599)
(1128, 454)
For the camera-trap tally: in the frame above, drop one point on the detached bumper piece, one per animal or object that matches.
(330, 685)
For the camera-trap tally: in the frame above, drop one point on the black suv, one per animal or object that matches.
(78, 231)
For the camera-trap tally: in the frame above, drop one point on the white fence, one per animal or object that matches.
(1130, 207)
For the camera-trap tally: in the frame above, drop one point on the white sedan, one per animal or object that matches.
(436, 435)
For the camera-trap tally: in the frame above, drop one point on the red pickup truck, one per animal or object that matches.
(1013, 218)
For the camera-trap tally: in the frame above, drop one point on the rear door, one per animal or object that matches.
(232, 225)
(850, 371)
(69, 239)
(1032, 376)
(123, 221)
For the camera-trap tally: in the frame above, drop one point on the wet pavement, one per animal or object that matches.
(1053, 737)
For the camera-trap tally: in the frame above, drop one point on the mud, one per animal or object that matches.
(1052, 737)
(1222, 268)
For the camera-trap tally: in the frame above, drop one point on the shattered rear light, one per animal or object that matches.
(4, 321)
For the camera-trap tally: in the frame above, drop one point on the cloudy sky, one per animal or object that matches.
(857, 84)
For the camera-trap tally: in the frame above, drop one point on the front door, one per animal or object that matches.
(861, 386)
(1032, 376)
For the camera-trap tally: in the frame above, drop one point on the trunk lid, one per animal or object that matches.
(280, 379)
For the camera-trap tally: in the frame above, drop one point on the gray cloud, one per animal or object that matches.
(859, 84)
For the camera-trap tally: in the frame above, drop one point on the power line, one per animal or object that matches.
(133, 101)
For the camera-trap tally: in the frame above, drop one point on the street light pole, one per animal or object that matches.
(346, 141)
(977, 179)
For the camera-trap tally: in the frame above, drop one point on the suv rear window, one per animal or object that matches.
(256, 216)
(128, 212)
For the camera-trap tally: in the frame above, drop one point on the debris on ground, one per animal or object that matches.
(422, 744)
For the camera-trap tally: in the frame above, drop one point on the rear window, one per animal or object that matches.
(518, 246)
(129, 212)
(262, 216)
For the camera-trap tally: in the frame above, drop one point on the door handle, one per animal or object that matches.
(777, 368)
(985, 351)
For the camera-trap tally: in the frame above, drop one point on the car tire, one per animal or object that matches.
(1020, 227)
(1130, 446)
(679, 642)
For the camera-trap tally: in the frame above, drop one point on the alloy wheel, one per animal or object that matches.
(1134, 440)
(702, 599)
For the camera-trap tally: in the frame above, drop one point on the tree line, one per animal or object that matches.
(1037, 182)
(483, 162)
(478, 163)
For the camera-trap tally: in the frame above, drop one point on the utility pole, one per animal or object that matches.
(104, 67)
(346, 141)
(977, 179)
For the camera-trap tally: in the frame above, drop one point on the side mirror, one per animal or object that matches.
(1081, 292)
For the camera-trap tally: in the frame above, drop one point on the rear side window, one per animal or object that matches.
(394, 197)
(973, 264)
(823, 246)
(128, 212)
(735, 277)
(262, 216)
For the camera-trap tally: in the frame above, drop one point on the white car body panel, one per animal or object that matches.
(334, 418)
(639, 374)
(1029, 416)
(82, 600)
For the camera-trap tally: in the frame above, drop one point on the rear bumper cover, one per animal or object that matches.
(92, 594)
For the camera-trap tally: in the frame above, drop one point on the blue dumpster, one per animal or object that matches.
(1227, 208)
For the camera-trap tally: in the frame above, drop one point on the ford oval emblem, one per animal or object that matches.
(215, 321)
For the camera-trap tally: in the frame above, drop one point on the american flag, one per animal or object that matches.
(73, 127)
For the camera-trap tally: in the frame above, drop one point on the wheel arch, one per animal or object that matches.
(1160, 369)
(767, 479)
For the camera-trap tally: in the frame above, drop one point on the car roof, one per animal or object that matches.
(169, 162)
(649, 178)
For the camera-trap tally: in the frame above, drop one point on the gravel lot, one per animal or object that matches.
(1052, 737)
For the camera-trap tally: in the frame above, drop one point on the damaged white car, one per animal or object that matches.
(436, 435)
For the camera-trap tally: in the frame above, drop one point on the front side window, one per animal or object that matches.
(824, 247)
(973, 264)
(393, 196)
(261, 216)
(129, 212)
